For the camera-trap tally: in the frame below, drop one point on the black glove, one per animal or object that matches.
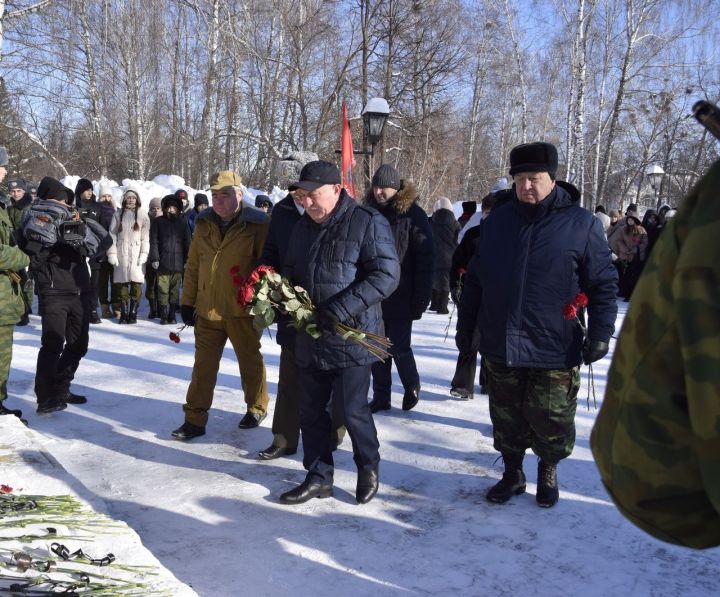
(325, 321)
(593, 351)
(416, 311)
(464, 339)
(187, 312)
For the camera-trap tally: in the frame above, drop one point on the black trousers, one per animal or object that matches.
(348, 387)
(399, 331)
(64, 341)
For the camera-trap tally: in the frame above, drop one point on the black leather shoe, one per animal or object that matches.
(51, 406)
(9, 411)
(273, 452)
(188, 431)
(378, 405)
(251, 420)
(94, 317)
(314, 486)
(368, 482)
(24, 320)
(410, 399)
(71, 398)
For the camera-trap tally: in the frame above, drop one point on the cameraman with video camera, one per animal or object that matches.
(59, 242)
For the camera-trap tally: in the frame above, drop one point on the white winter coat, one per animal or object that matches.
(130, 247)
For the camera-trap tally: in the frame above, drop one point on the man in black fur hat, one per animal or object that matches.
(535, 254)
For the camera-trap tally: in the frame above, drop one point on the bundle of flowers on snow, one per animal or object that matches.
(266, 292)
(571, 312)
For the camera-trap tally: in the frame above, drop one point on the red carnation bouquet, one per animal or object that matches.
(572, 311)
(265, 293)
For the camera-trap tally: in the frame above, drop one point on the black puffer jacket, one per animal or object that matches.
(284, 217)
(416, 252)
(348, 265)
(531, 261)
(169, 243)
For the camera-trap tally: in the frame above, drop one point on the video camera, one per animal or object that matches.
(72, 232)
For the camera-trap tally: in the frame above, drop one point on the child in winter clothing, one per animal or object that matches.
(130, 231)
(169, 246)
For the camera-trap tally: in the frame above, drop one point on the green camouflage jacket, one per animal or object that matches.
(11, 260)
(656, 440)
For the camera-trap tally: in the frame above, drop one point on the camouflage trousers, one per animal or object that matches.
(533, 408)
(168, 288)
(6, 343)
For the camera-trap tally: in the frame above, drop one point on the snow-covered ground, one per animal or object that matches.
(208, 509)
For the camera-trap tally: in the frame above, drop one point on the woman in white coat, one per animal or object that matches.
(130, 231)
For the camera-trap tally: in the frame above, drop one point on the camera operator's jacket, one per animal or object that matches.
(59, 267)
(12, 259)
(656, 439)
(208, 284)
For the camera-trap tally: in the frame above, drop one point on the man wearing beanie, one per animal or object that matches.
(396, 199)
(59, 243)
(200, 202)
(12, 305)
(89, 207)
(535, 253)
(342, 254)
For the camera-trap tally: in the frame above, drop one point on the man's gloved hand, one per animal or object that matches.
(187, 312)
(416, 311)
(594, 350)
(113, 260)
(325, 321)
(155, 264)
(464, 339)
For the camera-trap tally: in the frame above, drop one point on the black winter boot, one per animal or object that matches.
(163, 314)
(132, 312)
(547, 488)
(410, 399)
(123, 312)
(171, 314)
(94, 317)
(153, 314)
(368, 481)
(9, 411)
(434, 301)
(512, 482)
(442, 303)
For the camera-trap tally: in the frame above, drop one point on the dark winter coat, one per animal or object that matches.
(445, 230)
(529, 263)
(169, 243)
(93, 210)
(59, 268)
(416, 252)
(348, 265)
(284, 217)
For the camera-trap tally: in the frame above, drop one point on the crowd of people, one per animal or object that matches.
(376, 264)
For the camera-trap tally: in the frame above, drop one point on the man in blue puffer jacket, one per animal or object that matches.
(344, 255)
(534, 255)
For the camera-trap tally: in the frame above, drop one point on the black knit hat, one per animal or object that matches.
(200, 199)
(386, 177)
(262, 200)
(315, 175)
(50, 188)
(82, 185)
(534, 157)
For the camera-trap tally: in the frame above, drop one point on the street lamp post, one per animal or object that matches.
(655, 173)
(374, 115)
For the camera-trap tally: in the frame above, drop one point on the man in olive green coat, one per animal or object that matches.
(230, 236)
(656, 440)
(12, 305)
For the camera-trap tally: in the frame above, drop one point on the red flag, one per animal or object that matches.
(347, 154)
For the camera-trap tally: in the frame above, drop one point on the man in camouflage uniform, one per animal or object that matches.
(656, 438)
(534, 254)
(20, 200)
(12, 305)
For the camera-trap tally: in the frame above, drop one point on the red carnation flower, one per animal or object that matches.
(581, 300)
(462, 271)
(238, 280)
(174, 337)
(5, 489)
(569, 312)
(234, 270)
(265, 269)
(254, 277)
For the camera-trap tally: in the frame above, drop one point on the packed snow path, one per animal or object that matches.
(208, 509)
